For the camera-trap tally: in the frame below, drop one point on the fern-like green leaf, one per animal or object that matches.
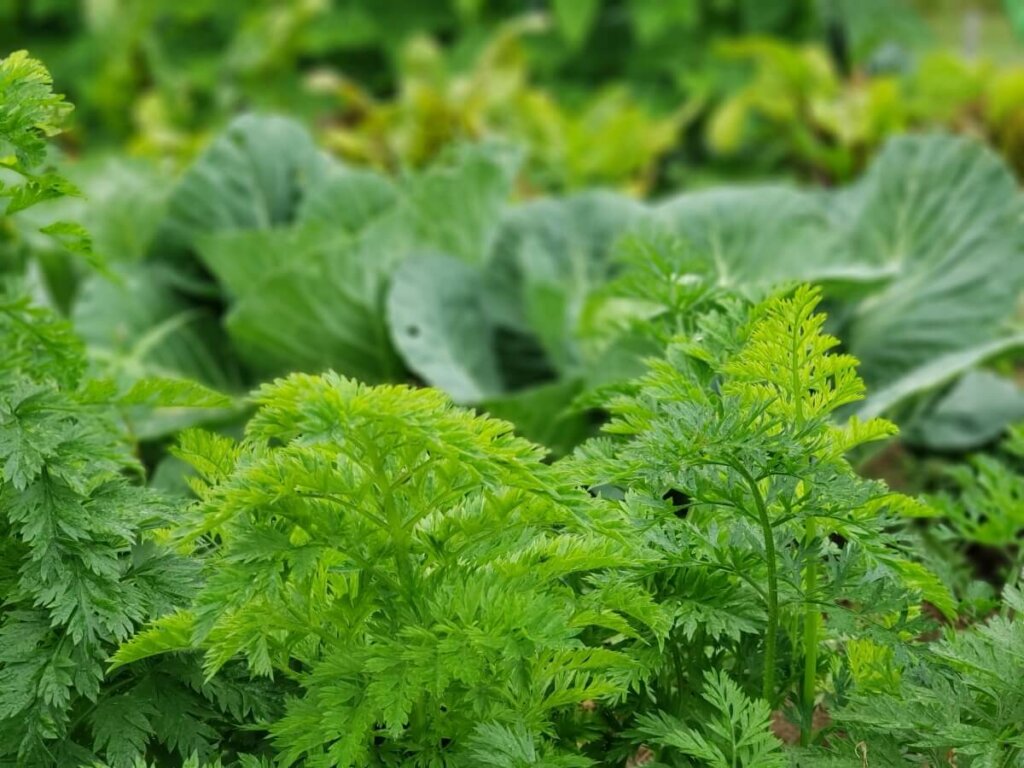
(738, 735)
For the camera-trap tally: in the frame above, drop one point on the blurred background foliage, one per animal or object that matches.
(520, 179)
(638, 94)
(798, 111)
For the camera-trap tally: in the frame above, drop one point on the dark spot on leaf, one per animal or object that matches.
(679, 500)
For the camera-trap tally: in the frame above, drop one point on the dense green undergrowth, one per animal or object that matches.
(155, 73)
(406, 583)
(635, 94)
(368, 574)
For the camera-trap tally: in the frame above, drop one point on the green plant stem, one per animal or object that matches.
(677, 667)
(772, 632)
(392, 517)
(812, 619)
(811, 613)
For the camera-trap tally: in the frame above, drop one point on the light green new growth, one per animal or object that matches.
(736, 736)
(744, 433)
(30, 112)
(78, 571)
(416, 569)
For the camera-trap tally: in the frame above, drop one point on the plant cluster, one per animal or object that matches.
(610, 140)
(80, 571)
(364, 572)
(435, 594)
(159, 75)
(266, 257)
(798, 110)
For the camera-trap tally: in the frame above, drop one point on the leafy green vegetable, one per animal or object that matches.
(30, 113)
(965, 704)
(972, 413)
(322, 266)
(946, 213)
(728, 449)
(440, 325)
(250, 177)
(739, 736)
(81, 571)
(367, 573)
(985, 504)
(415, 561)
(800, 113)
(906, 254)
